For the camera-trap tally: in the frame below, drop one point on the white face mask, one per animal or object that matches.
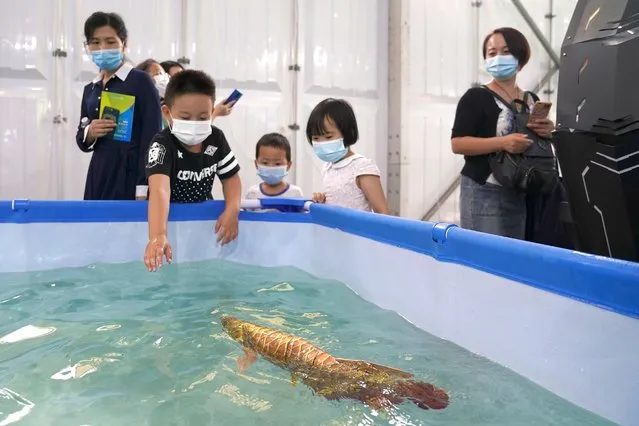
(161, 80)
(191, 132)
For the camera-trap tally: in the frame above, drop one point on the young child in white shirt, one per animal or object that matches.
(350, 180)
(273, 162)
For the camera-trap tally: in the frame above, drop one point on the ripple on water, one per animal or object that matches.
(129, 347)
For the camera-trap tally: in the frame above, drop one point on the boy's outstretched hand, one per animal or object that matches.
(156, 249)
(226, 226)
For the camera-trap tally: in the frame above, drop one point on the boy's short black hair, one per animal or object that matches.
(189, 81)
(517, 44)
(167, 65)
(340, 112)
(274, 140)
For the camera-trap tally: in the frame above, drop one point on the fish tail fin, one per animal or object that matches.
(424, 395)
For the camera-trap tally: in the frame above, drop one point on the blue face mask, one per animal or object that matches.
(330, 151)
(502, 67)
(107, 59)
(272, 175)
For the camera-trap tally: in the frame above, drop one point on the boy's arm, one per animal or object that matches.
(226, 227)
(158, 245)
(232, 189)
(159, 198)
(228, 171)
(159, 159)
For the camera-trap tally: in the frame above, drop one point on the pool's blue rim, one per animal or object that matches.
(603, 282)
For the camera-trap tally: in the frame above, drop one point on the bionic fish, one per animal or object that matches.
(333, 378)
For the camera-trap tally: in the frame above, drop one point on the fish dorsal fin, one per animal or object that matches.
(371, 367)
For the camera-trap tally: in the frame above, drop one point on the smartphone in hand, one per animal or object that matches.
(233, 97)
(110, 113)
(540, 111)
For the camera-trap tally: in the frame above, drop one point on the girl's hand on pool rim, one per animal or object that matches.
(226, 226)
(319, 197)
(157, 248)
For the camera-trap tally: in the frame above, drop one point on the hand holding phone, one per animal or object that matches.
(113, 114)
(538, 120)
(233, 97)
(540, 111)
(100, 128)
(110, 113)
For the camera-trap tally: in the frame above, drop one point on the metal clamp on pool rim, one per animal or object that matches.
(21, 204)
(440, 231)
(292, 205)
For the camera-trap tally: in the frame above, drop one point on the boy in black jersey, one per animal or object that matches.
(183, 160)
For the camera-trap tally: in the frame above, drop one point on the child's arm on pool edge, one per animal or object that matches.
(227, 224)
(158, 246)
(228, 171)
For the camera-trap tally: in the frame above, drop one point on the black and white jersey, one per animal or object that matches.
(191, 174)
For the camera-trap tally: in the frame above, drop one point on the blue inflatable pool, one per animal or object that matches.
(567, 321)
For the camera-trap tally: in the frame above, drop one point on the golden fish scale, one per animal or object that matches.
(285, 347)
(334, 378)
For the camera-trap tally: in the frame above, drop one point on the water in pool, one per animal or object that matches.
(121, 346)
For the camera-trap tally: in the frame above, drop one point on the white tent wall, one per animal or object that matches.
(244, 44)
(343, 52)
(435, 56)
(403, 75)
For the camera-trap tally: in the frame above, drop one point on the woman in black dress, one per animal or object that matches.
(117, 168)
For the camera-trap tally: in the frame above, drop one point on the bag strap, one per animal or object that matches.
(510, 105)
(532, 95)
(528, 94)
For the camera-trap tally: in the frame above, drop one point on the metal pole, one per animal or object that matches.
(550, 16)
(442, 199)
(546, 79)
(184, 22)
(294, 68)
(476, 5)
(475, 40)
(398, 61)
(540, 36)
